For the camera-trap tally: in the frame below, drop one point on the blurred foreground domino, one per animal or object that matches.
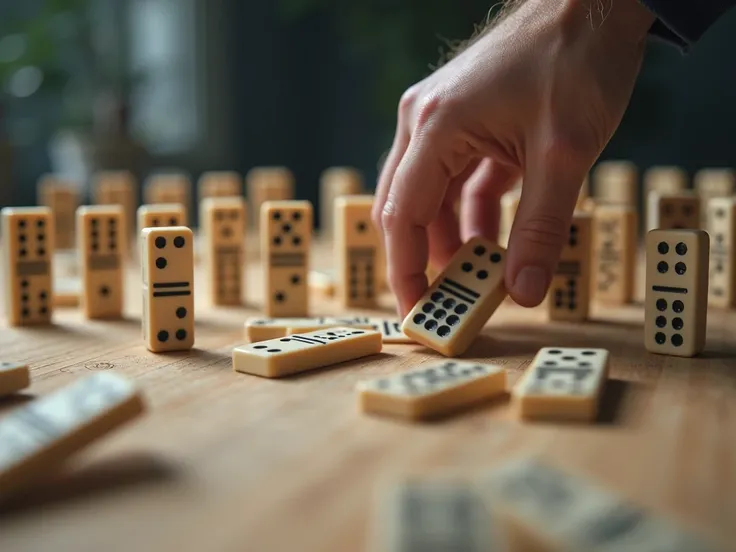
(13, 377)
(36, 438)
(562, 384)
(301, 352)
(543, 508)
(461, 300)
(433, 390)
(434, 516)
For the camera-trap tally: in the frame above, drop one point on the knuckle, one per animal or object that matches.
(432, 111)
(388, 216)
(544, 231)
(408, 98)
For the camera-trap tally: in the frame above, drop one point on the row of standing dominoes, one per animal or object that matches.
(521, 505)
(62, 196)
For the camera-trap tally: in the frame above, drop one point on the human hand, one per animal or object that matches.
(539, 95)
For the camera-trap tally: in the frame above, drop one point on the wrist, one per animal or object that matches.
(624, 21)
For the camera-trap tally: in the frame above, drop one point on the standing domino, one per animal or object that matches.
(676, 304)
(616, 182)
(614, 253)
(461, 300)
(562, 384)
(63, 199)
(223, 226)
(333, 183)
(722, 229)
(434, 516)
(301, 352)
(28, 235)
(286, 232)
(672, 211)
(220, 184)
(268, 184)
(357, 246)
(433, 390)
(13, 377)
(712, 183)
(101, 230)
(161, 214)
(569, 292)
(37, 438)
(117, 188)
(169, 188)
(167, 260)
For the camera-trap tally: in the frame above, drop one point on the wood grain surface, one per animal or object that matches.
(228, 461)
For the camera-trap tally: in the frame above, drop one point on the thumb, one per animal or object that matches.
(552, 181)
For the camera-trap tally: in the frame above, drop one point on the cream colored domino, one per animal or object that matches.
(673, 211)
(223, 224)
(333, 183)
(220, 184)
(161, 214)
(67, 291)
(562, 384)
(569, 292)
(261, 329)
(322, 282)
(544, 509)
(117, 188)
(433, 390)
(167, 188)
(461, 300)
(357, 246)
(305, 351)
(39, 437)
(676, 302)
(100, 237)
(721, 219)
(268, 184)
(13, 377)
(167, 260)
(286, 232)
(509, 205)
(665, 180)
(616, 182)
(28, 235)
(434, 516)
(62, 197)
(711, 183)
(615, 229)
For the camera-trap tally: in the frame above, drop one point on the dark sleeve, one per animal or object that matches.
(683, 22)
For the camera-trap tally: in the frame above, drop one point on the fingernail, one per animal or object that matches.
(531, 285)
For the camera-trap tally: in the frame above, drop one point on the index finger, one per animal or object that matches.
(412, 204)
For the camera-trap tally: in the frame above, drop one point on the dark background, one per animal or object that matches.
(305, 83)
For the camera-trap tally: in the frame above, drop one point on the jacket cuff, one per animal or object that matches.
(683, 23)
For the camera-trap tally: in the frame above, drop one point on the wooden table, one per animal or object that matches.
(227, 461)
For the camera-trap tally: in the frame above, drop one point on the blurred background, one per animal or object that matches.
(227, 84)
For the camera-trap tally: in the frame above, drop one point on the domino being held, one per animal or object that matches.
(167, 259)
(676, 303)
(461, 300)
(432, 390)
(28, 235)
(300, 352)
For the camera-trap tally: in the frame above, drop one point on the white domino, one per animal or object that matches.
(305, 351)
(433, 390)
(261, 329)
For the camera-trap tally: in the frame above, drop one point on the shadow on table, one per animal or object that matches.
(105, 476)
(18, 399)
